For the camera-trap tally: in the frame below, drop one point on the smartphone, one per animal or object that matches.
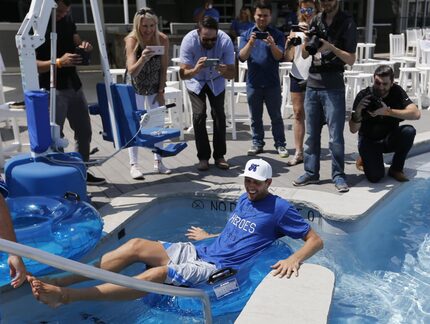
(158, 50)
(84, 54)
(211, 62)
(262, 35)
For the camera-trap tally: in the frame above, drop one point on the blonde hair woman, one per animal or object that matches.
(299, 73)
(148, 71)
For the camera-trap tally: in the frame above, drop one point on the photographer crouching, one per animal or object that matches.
(332, 41)
(376, 115)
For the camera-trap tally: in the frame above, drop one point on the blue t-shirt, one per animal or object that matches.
(212, 12)
(251, 228)
(241, 26)
(192, 50)
(263, 68)
(3, 188)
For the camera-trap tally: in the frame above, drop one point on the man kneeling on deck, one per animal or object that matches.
(259, 219)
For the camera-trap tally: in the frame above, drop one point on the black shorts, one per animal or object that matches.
(297, 85)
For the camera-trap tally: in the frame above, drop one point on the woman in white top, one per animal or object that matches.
(148, 72)
(299, 73)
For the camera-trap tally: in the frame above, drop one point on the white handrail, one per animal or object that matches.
(104, 275)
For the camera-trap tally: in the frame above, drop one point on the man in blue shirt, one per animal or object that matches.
(262, 47)
(16, 266)
(258, 220)
(207, 59)
(206, 9)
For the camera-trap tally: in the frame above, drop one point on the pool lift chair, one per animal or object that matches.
(47, 171)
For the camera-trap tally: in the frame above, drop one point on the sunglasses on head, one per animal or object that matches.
(308, 11)
(143, 12)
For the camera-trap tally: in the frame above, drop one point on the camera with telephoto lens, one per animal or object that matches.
(314, 43)
(375, 103)
(295, 41)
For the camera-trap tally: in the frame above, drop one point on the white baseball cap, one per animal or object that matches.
(257, 169)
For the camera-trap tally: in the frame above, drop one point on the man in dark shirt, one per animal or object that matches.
(262, 47)
(377, 112)
(71, 102)
(325, 92)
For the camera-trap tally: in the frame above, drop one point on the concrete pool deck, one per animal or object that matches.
(333, 205)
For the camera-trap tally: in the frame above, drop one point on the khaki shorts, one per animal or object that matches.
(184, 267)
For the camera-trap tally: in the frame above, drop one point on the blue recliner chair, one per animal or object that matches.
(128, 122)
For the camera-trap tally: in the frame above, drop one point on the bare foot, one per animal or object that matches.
(46, 293)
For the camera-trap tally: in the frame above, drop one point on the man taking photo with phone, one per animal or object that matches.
(207, 59)
(70, 99)
(262, 46)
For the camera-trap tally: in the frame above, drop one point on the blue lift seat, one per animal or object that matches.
(128, 122)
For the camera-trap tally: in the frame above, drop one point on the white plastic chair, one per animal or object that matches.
(9, 116)
(411, 41)
(398, 50)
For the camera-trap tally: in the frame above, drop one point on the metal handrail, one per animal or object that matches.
(104, 275)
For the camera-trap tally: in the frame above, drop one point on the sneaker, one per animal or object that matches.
(254, 150)
(397, 175)
(222, 164)
(305, 180)
(341, 184)
(297, 159)
(203, 165)
(282, 151)
(136, 172)
(17, 105)
(161, 168)
(93, 180)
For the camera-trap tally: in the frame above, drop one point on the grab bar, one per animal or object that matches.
(104, 275)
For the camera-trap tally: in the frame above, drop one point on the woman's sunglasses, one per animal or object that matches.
(308, 11)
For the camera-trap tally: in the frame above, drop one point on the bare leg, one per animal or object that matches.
(135, 250)
(298, 99)
(55, 296)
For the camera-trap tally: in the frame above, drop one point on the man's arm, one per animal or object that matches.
(245, 52)
(197, 233)
(227, 71)
(187, 71)
(68, 59)
(411, 112)
(276, 51)
(359, 105)
(16, 266)
(348, 58)
(313, 244)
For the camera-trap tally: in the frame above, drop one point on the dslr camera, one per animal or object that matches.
(314, 43)
(295, 41)
(374, 103)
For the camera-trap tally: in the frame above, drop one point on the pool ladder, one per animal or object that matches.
(106, 276)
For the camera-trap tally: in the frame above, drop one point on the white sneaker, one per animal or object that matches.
(160, 168)
(282, 151)
(136, 172)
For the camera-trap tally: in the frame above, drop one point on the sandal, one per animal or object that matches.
(297, 159)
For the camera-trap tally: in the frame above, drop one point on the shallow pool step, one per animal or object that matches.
(303, 299)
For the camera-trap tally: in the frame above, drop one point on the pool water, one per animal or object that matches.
(382, 271)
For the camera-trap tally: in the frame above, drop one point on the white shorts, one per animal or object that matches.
(184, 267)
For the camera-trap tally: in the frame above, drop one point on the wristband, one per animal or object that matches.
(58, 63)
